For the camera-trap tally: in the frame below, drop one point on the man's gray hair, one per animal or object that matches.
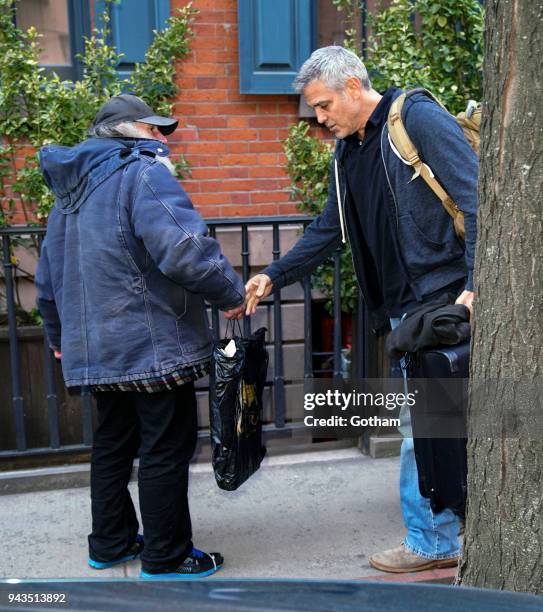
(125, 129)
(333, 66)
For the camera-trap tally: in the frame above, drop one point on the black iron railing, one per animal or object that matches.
(21, 448)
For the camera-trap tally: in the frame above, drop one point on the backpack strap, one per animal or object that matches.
(403, 146)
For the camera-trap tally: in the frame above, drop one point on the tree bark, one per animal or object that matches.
(504, 529)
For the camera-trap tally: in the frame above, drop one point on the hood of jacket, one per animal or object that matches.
(73, 173)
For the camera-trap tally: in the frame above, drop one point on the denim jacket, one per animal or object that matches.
(126, 265)
(431, 254)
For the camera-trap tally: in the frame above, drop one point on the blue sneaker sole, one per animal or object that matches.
(175, 576)
(105, 564)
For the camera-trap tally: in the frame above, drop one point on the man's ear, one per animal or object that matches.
(353, 87)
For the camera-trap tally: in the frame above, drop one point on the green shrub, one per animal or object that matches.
(444, 54)
(37, 108)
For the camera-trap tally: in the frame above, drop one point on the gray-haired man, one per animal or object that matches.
(404, 247)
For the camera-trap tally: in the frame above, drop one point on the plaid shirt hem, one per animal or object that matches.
(167, 382)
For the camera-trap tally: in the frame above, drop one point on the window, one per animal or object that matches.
(63, 23)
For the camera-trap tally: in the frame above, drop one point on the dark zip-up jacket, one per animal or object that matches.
(430, 252)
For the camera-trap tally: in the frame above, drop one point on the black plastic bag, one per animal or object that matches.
(235, 409)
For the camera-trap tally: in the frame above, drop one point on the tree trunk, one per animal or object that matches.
(504, 530)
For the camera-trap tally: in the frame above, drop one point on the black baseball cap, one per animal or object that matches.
(128, 107)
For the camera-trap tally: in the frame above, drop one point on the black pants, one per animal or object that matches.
(163, 426)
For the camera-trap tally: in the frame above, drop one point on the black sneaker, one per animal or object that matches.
(197, 565)
(133, 552)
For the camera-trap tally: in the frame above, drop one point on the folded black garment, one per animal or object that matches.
(431, 325)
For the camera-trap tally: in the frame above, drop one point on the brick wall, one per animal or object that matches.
(233, 141)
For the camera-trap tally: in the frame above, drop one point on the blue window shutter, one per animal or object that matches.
(132, 24)
(275, 38)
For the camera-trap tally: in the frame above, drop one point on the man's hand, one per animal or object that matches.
(257, 288)
(466, 298)
(57, 354)
(235, 313)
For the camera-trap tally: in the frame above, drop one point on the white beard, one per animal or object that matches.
(133, 131)
(166, 161)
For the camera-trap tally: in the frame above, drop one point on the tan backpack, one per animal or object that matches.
(470, 122)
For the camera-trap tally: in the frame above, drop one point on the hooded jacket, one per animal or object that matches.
(431, 254)
(126, 265)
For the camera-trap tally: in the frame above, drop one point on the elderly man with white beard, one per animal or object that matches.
(124, 270)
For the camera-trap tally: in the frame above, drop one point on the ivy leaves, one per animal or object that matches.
(430, 43)
(37, 108)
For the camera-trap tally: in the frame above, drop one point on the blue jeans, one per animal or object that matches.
(429, 534)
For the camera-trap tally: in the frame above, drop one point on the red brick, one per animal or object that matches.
(184, 109)
(203, 161)
(234, 96)
(208, 211)
(189, 82)
(205, 147)
(205, 109)
(266, 171)
(269, 108)
(237, 122)
(205, 95)
(219, 5)
(287, 107)
(242, 135)
(235, 211)
(213, 56)
(214, 83)
(210, 122)
(202, 69)
(231, 43)
(268, 159)
(206, 82)
(266, 196)
(201, 174)
(211, 135)
(267, 134)
(265, 147)
(201, 199)
(288, 209)
(237, 159)
(265, 210)
(237, 147)
(215, 43)
(232, 185)
(267, 121)
(212, 17)
(238, 172)
(238, 109)
(243, 197)
(187, 134)
(205, 29)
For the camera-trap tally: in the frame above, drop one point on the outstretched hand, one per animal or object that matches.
(256, 289)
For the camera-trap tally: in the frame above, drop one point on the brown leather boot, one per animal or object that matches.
(399, 560)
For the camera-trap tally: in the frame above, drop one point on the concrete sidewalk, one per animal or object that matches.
(314, 515)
